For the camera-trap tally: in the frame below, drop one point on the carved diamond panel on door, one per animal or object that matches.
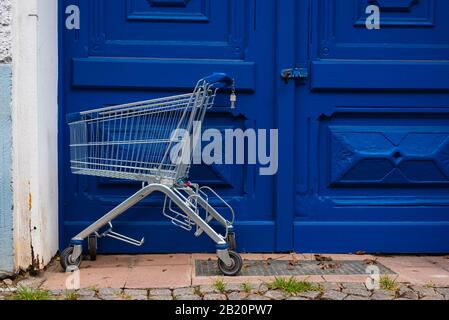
(381, 156)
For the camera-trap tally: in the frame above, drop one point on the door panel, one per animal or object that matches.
(131, 50)
(411, 45)
(373, 129)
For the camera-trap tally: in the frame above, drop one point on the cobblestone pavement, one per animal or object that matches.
(232, 292)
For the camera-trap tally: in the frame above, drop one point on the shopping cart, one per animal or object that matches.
(151, 142)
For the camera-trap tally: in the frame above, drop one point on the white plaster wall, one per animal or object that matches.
(35, 140)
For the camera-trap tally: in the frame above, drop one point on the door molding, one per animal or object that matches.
(285, 111)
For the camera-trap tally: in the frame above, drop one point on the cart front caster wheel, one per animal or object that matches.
(92, 245)
(66, 259)
(234, 268)
(231, 241)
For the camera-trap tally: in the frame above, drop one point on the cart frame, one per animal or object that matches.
(95, 148)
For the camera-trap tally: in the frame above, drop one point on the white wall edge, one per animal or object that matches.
(35, 131)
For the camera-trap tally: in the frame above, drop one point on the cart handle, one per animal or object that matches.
(219, 80)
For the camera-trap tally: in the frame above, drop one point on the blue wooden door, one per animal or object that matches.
(131, 50)
(372, 127)
(363, 141)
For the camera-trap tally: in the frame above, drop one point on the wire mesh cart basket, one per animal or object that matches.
(151, 142)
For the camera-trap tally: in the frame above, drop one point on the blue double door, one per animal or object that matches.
(363, 139)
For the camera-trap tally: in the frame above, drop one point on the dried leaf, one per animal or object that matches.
(370, 262)
(293, 263)
(329, 266)
(321, 258)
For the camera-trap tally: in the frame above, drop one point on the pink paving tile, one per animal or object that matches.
(55, 281)
(306, 256)
(345, 278)
(253, 256)
(143, 277)
(423, 275)
(404, 261)
(110, 261)
(439, 261)
(203, 256)
(352, 257)
(162, 260)
(89, 278)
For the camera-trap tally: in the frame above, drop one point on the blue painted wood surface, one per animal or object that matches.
(363, 150)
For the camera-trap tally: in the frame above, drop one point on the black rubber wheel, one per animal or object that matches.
(65, 259)
(234, 268)
(232, 242)
(92, 245)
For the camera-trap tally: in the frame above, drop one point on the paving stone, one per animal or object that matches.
(86, 298)
(59, 292)
(208, 289)
(135, 292)
(161, 298)
(357, 292)
(8, 282)
(333, 295)
(409, 294)
(353, 286)
(86, 293)
(237, 296)
(263, 288)
(191, 297)
(256, 297)
(111, 298)
(214, 296)
(352, 297)
(383, 295)
(184, 292)
(443, 291)
(434, 297)
(312, 295)
(297, 298)
(108, 292)
(330, 286)
(160, 292)
(275, 295)
(32, 283)
(423, 291)
(139, 295)
(233, 287)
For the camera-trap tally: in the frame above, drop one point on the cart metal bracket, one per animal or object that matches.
(117, 236)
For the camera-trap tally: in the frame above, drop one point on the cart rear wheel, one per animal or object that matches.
(234, 268)
(231, 241)
(66, 259)
(92, 245)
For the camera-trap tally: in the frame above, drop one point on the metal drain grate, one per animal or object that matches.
(208, 268)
